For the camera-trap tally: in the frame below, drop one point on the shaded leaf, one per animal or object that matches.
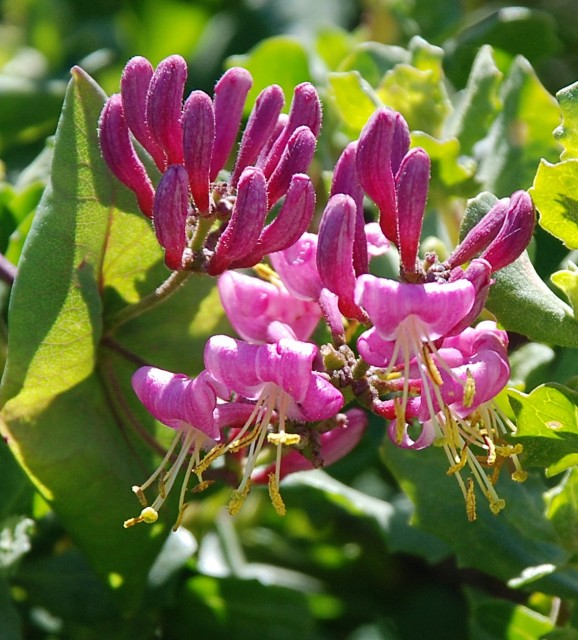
(567, 132)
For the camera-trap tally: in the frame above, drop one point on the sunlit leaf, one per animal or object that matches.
(521, 134)
(280, 60)
(547, 421)
(373, 59)
(567, 281)
(562, 509)
(353, 98)
(554, 193)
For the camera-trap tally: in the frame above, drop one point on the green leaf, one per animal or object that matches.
(333, 45)
(373, 59)
(280, 60)
(353, 98)
(479, 103)
(567, 281)
(547, 426)
(417, 90)
(554, 194)
(492, 542)
(520, 134)
(494, 618)
(11, 624)
(562, 510)
(57, 419)
(567, 132)
(220, 604)
(518, 297)
(448, 163)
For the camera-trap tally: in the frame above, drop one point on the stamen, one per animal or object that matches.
(460, 464)
(469, 390)
(275, 495)
(238, 498)
(431, 366)
(471, 501)
(287, 439)
(148, 515)
(491, 459)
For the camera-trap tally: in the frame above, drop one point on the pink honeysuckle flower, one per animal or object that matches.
(282, 380)
(192, 408)
(333, 445)
(461, 414)
(200, 136)
(253, 305)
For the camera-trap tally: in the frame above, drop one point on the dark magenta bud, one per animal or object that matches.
(120, 156)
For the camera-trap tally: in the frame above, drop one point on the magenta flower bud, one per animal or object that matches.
(295, 159)
(260, 127)
(412, 182)
(198, 140)
(171, 209)
(335, 252)
(291, 222)
(277, 131)
(230, 95)
(120, 156)
(346, 181)
(400, 142)
(374, 167)
(134, 86)
(164, 106)
(515, 233)
(305, 111)
(247, 220)
(480, 236)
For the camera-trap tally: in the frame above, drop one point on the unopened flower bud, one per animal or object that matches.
(374, 167)
(260, 127)
(305, 111)
(291, 222)
(295, 159)
(171, 209)
(412, 182)
(134, 87)
(335, 252)
(198, 140)
(164, 106)
(120, 156)
(345, 180)
(247, 220)
(515, 233)
(479, 273)
(230, 95)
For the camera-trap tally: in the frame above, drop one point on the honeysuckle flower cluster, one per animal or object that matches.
(409, 350)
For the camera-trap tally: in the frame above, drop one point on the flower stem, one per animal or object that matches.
(161, 293)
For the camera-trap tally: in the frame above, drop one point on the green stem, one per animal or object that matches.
(166, 289)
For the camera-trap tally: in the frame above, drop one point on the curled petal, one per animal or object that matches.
(439, 307)
(176, 400)
(377, 243)
(198, 140)
(479, 274)
(260, 128)
(412, 182)
(230, 95)
(374, 167)
(296, 158)
(246, 223)
(134, 86)
(164, 104)
(120, 156)
(171, 208)
(424, 439)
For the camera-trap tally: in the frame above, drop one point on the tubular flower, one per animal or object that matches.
(256, 309)
(281, 380)
(186, 405)
(190, 145)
